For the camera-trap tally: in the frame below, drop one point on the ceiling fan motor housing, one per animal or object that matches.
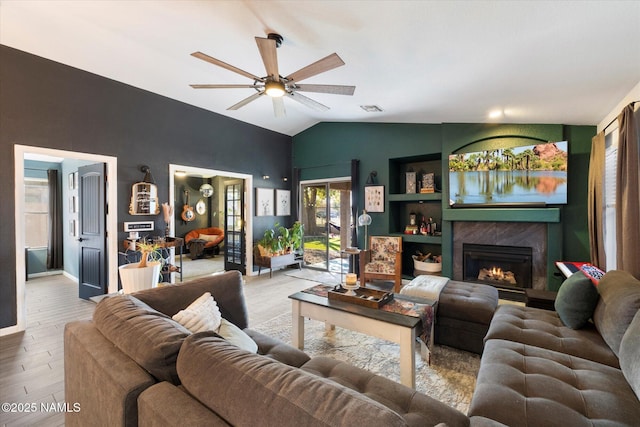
(277, 37)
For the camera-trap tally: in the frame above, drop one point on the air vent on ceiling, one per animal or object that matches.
(371, 108)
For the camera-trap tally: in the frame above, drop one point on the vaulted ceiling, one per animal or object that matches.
(565, 62)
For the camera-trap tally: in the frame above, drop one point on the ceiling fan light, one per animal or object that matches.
(274, 89)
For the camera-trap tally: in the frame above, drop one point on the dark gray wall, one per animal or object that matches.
(47, 104)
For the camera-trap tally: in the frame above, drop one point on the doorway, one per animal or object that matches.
(20, 151)
(219, 180)
(326, 217)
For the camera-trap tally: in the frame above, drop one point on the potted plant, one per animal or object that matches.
(144, 274)
(297, 237)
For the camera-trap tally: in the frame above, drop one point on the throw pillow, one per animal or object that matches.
(208, 237)
(236, 336)
(576, 300)
(201, 315)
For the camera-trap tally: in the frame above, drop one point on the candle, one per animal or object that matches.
(351, 278)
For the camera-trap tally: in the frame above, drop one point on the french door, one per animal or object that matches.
(234, 238)
(326, 217)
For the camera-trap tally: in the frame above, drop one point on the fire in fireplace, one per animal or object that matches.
(508, 268)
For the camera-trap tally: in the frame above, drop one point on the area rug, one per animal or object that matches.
(199, 267)
(451, 377)
(319, 276)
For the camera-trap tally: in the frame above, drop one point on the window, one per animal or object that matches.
(36, 212)
(610, 165)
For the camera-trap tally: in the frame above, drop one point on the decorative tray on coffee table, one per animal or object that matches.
(372, 298)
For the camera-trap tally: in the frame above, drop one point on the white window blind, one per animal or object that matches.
(611, 157)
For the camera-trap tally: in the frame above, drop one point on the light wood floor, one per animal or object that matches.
(32, 362)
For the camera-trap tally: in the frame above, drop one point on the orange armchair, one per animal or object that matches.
(213, 236)
(383, 261)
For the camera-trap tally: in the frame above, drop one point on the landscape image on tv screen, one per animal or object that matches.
(533, 174)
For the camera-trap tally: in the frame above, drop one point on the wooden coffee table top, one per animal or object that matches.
(373, 313)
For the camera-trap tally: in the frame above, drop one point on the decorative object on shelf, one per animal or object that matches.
(364, 220)
(426, 264)
(188, 214)
(374, 198)
(428, 183)
(206, 190)
(371, 179)
(411, 182)
(412, 228)
(167, 213)
(144, 195)
(283, 202)
(201, 207)
(264, 202)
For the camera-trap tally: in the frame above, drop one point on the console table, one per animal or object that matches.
(275, 261)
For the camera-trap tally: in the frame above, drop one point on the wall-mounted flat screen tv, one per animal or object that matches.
(510, 176)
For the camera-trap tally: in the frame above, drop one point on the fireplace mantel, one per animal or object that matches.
(546, 215)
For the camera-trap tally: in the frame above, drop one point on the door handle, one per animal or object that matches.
(80, 239)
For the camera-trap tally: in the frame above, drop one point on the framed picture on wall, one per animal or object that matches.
(264, 202)
(374, 198)
(283, 202)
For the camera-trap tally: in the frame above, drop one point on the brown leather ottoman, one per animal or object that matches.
(464, 313)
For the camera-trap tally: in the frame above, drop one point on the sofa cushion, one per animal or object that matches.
(278, 350)
(417, 409)
(147, 336)
(226, 289)
(543, 328)
(619, 302)
(201, 315)
(522, 385)
(251, 387)
(630, 354)
(236, 336)
(576, 300)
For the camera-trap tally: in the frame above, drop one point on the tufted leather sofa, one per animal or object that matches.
(535, 371)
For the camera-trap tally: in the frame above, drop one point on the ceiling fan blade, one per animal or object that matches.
(307, 101)
(278, 106)
(325, 64)
(333, 89)
(246, 101)
(267, 49)
(207, 86)
(222, 64)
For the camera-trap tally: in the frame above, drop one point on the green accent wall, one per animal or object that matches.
(324, 151)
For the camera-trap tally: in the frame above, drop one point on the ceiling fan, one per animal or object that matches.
(276, 86)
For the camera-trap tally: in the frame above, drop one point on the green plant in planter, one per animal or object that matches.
(297, 237)
(270, 241)
(149, 252)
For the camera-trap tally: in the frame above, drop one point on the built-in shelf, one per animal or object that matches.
(549, 215)
(415, 197)
(419, 238)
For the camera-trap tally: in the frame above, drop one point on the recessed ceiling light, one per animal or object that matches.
(371, 108)
(495, 114)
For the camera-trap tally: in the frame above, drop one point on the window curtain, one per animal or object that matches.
(596, 201)
(628, 194)
(54, 248)
(355, 196)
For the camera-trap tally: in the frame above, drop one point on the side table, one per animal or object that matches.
(538, 298)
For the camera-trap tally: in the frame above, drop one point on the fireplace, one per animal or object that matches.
(508, 268)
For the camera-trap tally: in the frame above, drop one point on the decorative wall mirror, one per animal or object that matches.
(201, 207)
(144, 196)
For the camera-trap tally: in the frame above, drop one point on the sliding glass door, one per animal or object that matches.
(326, 216)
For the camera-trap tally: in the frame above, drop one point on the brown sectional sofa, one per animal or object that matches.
(133, 365)
(536, 371)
